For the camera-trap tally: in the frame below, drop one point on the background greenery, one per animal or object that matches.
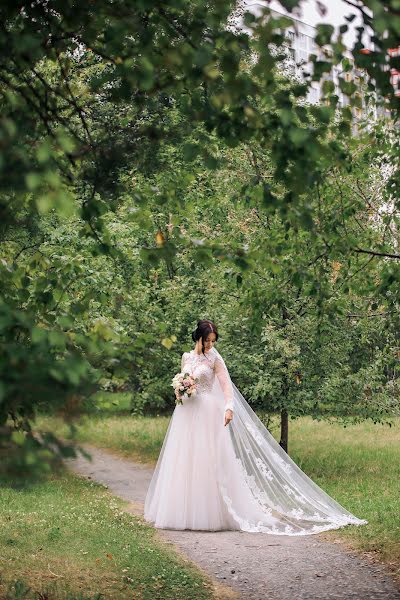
(159, 165)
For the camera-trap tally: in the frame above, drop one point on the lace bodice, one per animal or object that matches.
(205, 368)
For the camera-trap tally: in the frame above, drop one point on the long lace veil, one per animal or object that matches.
(291, 502)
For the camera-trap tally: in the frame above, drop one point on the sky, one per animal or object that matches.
(337, 10)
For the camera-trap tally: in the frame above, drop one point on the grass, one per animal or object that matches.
(66, 538)
(358, 465)
(137, 438)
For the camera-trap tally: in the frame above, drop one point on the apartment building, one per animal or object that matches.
(301, 45)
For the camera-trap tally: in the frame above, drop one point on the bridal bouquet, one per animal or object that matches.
(184, 385)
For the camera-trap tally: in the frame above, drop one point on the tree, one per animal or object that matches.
(97, 103)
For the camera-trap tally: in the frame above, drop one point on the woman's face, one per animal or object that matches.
(210, 341)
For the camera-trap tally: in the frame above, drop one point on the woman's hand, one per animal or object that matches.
(228, 416)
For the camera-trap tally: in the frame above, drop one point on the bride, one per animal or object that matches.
(220, 468)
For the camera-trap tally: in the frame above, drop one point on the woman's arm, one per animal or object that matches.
(183, 359)
(225, 382)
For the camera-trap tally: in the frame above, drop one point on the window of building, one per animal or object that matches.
(290, 35)
(302, 41)
(301, 56)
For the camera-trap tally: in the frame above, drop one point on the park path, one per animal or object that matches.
(252, 566)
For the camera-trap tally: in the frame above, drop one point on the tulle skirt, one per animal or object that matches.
(214, 477)
(197, 456)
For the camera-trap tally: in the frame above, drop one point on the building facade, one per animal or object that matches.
(301, 45)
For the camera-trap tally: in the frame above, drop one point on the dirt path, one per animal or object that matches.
(255, 566)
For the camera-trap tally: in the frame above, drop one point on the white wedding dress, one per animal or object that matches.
(237, 477)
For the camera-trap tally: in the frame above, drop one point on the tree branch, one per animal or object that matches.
(372, 253)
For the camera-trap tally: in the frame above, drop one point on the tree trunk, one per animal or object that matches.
(284, 430)
(284, 441)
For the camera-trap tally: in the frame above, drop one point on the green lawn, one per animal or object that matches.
(66, 538)
(138, 438)
(358, 465)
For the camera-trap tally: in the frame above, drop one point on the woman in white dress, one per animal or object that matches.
(219, 468)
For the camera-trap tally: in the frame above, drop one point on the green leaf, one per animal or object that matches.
(33, 180)
(167, 343)
(38, 335)
(190, 151)
(57, 339)
(324, 33)
(298, 136)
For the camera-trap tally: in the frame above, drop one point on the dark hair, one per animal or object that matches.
(204, 327)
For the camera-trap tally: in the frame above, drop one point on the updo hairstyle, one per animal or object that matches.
(204, 328)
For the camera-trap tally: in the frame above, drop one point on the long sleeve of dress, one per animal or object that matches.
(224, 379)
(183, 360)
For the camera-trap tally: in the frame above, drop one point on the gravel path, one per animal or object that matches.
(254, 566)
